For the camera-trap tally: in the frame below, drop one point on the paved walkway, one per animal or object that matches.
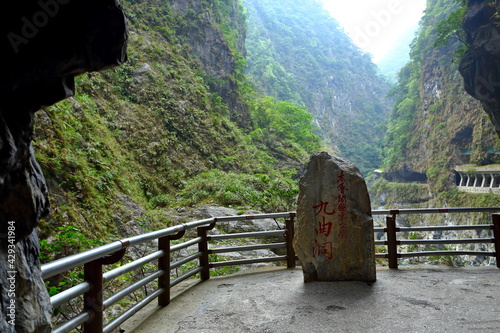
(409, 299)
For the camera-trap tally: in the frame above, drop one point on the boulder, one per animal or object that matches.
(334, 237)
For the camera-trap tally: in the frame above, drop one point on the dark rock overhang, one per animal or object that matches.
(47, 42)
(480, 68)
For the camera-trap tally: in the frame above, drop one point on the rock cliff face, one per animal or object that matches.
(211, 47)
(435, 124)
(47, 44)
(307, 59)
(480, 67)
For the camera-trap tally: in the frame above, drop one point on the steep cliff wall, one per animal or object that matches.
(47, 44)
(480, 67)
(298, 53)
(216, 36)
(435, 125)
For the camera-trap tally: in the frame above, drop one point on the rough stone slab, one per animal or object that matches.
(334, 230)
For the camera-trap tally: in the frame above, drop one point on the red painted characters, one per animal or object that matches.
(325, 215)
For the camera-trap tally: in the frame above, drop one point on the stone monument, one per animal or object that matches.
(334, 230)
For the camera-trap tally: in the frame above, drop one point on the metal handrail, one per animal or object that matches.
(131, 311)
(112, 274)
(446, 241)
(446, 227)
(133, 287)
(73, 322)
(185, 260)
(69, 294)
(445, 253)
(392, 242)
(435, 210)
(247, 248)
(64, 264)
(271, 233)
(185, 276)
(94, 259)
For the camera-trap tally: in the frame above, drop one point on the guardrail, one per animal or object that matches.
(94, 304)
(392, 242)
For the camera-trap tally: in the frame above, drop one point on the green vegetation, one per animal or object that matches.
(224, 270)
(433, 120)
(451, 27)
(232, 189)
(401, 120)
(285, 122)
(68, 240)
(409, 193)
(180, 123)
(173, 126)
(297, 53)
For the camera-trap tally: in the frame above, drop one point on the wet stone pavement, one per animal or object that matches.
(409, 299)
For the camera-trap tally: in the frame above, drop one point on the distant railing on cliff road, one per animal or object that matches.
(94, 304)
(392, 242)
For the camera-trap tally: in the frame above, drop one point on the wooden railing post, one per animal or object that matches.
(392, 249)
(289, 234)
(496, 236)
(164, 265)
(93, 299)
(203, 249)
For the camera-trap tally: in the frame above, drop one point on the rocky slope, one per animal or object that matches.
(170, 127)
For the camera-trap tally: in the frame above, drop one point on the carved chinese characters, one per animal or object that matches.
(342, 205)
(334, 229)
(324, 228)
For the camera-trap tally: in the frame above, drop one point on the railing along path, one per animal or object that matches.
(392, 242)
(94, 304)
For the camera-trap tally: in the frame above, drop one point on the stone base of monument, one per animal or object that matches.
(334, 238)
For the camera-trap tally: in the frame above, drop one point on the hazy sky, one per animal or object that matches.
(374, 25)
